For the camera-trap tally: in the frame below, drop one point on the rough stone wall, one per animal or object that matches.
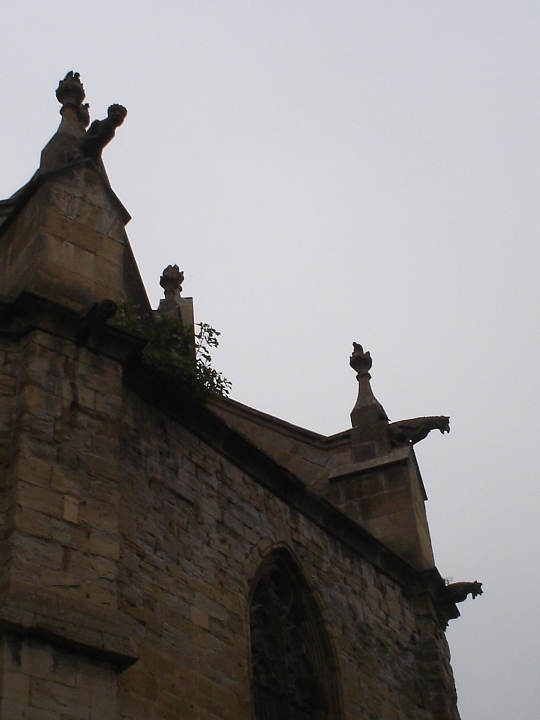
(388, 501)
(9, 356)
(194, 531)
(67, 243)
(124, 530)
(63, 471)
(310, 456)
(43, 682)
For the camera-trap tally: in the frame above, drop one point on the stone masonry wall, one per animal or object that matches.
(43, 682)
(9, 357)
(63, 472)
(126, 536)
(67, 243)
(194, 530)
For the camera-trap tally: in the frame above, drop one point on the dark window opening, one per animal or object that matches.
(286, 685)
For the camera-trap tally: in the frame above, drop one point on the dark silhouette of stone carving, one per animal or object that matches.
(72, 142)
(457, 592)
(360, 361)
(369, 435)
(101, 132)
(171, 281)
(416, 429)
(93, 319)
(70, 93)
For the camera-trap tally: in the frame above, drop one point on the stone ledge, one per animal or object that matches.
(345, 471)
(29, 312)
(108, 636)
(321, 442)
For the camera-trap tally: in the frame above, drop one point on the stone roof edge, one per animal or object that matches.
(213, 430)
(324, 442)
(29, 312)
(39, 179)
(396, 455)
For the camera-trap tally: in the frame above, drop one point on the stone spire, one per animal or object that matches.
(72, 142)
(65, 146)
(63, 234)
(370, 435)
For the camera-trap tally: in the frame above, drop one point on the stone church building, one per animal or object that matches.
(166, 556)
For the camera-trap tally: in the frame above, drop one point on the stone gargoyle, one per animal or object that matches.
(457, 592)
(101, 132)
(93, 319)
(416, 429)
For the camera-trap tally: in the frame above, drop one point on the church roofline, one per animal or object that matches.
(19, 199)
(324, 442)
(29, 312)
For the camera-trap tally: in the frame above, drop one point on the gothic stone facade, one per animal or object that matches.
(164, 558)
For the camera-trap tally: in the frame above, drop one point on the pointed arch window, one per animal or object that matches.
(290, 681)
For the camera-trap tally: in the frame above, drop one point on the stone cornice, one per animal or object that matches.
(322, 442)
(29, 312)
(399, 455)
(204, 424)
(108, 635)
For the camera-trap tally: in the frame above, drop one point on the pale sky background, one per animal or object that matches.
(333, 171)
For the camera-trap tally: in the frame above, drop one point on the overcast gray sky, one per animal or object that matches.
(333, 171)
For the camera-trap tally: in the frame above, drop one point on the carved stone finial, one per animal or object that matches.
(70, 93)
(370, 423)
(360, 361)
(70, 90)
(173, 305)
(171, 282)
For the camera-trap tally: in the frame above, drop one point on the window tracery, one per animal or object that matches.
(286, 681)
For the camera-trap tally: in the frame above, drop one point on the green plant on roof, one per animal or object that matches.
(181, 353)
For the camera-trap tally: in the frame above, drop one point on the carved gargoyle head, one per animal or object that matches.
(457, 592)
(116, 114)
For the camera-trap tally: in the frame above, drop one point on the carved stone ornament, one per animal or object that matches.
(360, 361)
(171, 282)
(70, 93)
(72, 142)
(70, 90)
(101, 132)
(369, 420)
(416, 429)
(457, 592)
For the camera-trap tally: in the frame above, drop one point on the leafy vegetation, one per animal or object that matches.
(181, 353)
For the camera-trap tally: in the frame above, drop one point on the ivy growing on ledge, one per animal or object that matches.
(182, 354)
